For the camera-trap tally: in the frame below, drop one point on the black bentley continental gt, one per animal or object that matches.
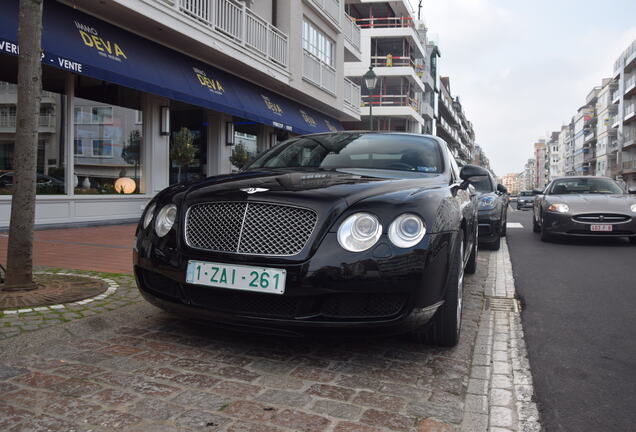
(347, 232)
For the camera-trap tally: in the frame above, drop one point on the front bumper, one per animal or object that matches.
(386, 289)
(490, 226)
(563, 224)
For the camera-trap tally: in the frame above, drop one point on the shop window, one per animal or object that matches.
(107, 148)
(50, 149)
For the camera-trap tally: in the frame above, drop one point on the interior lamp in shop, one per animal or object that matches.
(125, 185)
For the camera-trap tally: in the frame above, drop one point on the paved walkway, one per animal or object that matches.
(105, 249)
(135, 368)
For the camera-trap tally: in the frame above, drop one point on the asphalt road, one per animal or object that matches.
(579, 319)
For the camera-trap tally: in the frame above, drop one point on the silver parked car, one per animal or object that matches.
(585, 206)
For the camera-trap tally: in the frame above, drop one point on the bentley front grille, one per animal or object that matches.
(249, 228)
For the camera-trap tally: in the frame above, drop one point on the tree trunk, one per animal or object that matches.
(20, 248)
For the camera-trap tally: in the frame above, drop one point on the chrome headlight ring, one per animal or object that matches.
(359, 232)
(165, 219)
(407, 230)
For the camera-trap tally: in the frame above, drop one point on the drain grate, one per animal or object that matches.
(505, 304)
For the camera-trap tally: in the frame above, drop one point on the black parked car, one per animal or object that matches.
(347, 231)
(585, 206)
(525, 199)
(493, 211)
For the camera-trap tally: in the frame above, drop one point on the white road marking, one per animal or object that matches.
(513, 225)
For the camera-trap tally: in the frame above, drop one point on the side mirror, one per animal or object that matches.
(631, 190)
(471, 173)
(501, 188)
(537, 192)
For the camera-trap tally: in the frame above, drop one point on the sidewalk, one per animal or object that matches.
(129, 366)
(105, 249)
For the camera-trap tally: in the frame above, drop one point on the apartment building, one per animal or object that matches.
(541, 164)
(480, 158)
(554, 156)
(128, 82)
(510, 182)
(606, 133)
(625, 121)
(453, 126)
(394, 43)
(529, 175)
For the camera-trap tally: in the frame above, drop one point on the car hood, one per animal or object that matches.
(304, 187)
(591, 203)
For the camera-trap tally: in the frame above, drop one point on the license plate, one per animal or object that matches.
(238, 277)
(603, 228)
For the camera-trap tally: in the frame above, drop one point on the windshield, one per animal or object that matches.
(585, 186)
(356, 150)
(483, 185)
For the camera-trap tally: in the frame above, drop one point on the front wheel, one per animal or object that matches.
(471, 265)
(535, 225)
(444, 329)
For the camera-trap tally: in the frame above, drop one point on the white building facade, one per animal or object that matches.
(625, 121)
(129, 82)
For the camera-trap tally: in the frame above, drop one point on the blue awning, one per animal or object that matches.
(82, 44)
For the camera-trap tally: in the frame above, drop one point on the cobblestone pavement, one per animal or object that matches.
(121, 292)
(135, 368)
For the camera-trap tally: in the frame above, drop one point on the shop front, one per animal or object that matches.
(123, 117)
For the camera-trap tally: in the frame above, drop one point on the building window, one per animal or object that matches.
(102, 115)
(103, 148)
(317, 43)
(50, 150)
(78, 147)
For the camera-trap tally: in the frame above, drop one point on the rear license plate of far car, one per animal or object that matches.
(601, 228)
(238, 277)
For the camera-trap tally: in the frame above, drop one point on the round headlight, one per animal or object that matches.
(359, 232)
(486, 203)
(150, 213)
(559, 208)
(165, 219)
(633, 208)
(406, 230)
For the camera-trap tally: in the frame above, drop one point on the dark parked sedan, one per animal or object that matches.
(585, 206)
(493, 212)
(348, 231)
(525, 200)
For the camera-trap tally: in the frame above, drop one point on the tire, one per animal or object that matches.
(535, 226)
(471, 265)
(496, 245)
(504, 227)
(445, 325)
(545, 237)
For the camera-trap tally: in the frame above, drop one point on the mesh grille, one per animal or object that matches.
(267, 229)
(215, 226)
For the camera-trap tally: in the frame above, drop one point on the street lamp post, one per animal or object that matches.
(370, 81)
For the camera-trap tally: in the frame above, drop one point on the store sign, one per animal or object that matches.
(83, 44)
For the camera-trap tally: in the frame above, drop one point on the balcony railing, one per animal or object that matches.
(319, 72)
(629, 165)
(616, 94)
(630, 82)
(44, 121)
(392, 100)
(330, 7)
(385, 22)
(398, 61)
(352, 93)
(629, 109)
(239, 23)
(351, 31)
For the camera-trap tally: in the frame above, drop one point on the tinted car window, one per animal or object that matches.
(525, 193)
(484, 185)
(585, 186)
(346, 150)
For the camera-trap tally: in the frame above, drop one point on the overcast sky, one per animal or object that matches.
(522, 68)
